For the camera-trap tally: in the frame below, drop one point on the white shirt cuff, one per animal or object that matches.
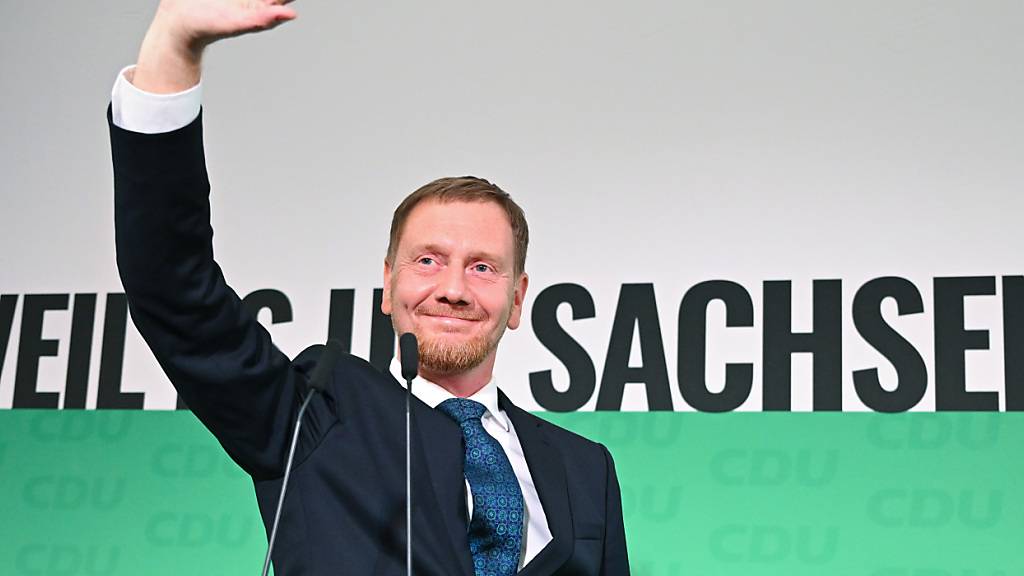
(139, 111)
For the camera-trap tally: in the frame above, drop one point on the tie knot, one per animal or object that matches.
(462, 410)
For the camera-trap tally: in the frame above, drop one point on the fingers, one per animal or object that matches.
(270, 17)
(281, 13)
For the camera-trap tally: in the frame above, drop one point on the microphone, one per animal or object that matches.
(317, 383)
(409, 354)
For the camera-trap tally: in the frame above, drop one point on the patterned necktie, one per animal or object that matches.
(496, 529)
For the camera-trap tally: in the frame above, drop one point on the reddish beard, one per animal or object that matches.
(443, 357)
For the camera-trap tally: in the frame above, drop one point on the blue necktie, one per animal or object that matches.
(496, 529)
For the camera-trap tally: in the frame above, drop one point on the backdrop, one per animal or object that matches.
(801, 214)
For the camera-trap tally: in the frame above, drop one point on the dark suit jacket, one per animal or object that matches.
(345, 509)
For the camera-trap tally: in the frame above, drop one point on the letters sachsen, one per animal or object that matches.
(636, 311)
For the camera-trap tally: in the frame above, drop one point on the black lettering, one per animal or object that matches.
(382, 335)
(109, 394)
(823, 342)
(339, 318)
(32, 347)
(1013, 341)
(693, 319)
(952, 341)
(911, 373)
(636, 308)
(582, 376)
(8, 303)
(269, 299)
(83, 317)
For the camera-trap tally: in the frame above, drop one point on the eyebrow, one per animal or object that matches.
(476, 255)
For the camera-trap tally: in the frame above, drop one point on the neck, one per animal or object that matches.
(463, 384)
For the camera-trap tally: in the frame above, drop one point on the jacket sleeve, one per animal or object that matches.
(616, 560)
(219, 358)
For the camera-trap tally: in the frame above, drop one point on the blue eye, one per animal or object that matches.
(426, 260)
(482, 268)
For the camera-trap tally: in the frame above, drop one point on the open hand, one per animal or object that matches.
(197, 23)
(169, 60)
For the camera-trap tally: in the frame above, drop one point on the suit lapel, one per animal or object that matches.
(548, 473)
(438, 442)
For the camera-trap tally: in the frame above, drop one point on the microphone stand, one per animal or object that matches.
(284, 483)
(317, 383)
(408, 484)
(409, 355)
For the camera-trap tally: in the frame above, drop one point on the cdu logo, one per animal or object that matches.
(639, 429)
(931, 508)
(48, 559)
(192, 461)
(772, 544)
(108, 426)
(774, 467)
(933, 431)
(67, 492)
(195, 530)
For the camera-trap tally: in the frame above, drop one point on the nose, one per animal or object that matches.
(451, 287)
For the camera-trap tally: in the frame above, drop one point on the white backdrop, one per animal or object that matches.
(649, 142)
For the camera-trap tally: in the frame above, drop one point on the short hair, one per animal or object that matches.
(463, 189)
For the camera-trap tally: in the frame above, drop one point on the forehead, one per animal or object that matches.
(459, 225)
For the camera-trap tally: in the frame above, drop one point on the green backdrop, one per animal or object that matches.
(925, 494)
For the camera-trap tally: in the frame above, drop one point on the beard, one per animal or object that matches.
(444, 357)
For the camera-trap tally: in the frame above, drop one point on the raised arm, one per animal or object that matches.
(217, 355)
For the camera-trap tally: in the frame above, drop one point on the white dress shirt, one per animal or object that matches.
(139, 111)
(536, 533)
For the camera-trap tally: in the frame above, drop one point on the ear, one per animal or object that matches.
(518, 296)
(385, 300)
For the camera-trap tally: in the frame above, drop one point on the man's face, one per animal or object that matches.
(453, 283)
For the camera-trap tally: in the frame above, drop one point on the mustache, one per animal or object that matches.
(449, 311)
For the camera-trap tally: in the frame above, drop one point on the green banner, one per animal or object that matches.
(926, 494)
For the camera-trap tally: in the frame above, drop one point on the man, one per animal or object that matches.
(491, 492)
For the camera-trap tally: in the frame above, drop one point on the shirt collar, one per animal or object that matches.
(431, 394)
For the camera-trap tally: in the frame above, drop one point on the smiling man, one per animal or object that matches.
(496, 490)
(454, 276)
